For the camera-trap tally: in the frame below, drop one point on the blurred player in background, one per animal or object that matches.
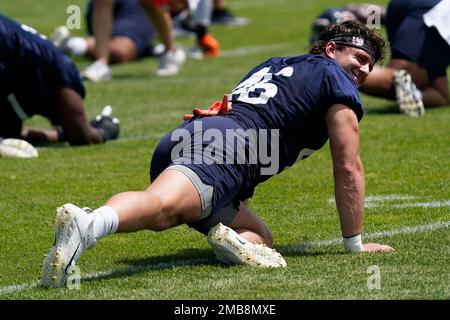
(131, 38)
(418, 32)
(290, 106)
(222, 15)
(361, 12)
(102, 28)
(36, 78)
(195, 16)
(159, 11)
(416, 75)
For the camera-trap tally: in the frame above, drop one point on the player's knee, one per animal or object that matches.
(164, 216)
(122, 50)
(120, 55)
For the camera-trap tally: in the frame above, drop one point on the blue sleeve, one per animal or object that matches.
(339, 88)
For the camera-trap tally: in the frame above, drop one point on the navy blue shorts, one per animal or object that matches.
(231, 182)
(412, 40)
(131, 21)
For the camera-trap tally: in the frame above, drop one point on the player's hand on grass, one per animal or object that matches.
(376, 247)
(106, 124)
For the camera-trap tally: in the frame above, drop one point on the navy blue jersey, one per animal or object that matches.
(293, 94)
(31, 70)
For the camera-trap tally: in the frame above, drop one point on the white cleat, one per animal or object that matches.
(230, 248)
(17, 148)
(171, 62)
(73, 235)
(97, 72)
(405, 91)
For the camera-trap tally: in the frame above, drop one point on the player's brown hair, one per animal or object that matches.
(350, 28)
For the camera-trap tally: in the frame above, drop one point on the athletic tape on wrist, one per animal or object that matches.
(353, 244)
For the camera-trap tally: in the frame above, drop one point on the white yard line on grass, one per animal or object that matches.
(389, 197)
(382, 199)
(178, 263)
(305, 246)
(406, 202)
(434, 204)
(18, 287)
(104, 274)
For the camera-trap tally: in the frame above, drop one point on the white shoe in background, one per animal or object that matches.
(97, 72)
(171, 62)
(405, 91)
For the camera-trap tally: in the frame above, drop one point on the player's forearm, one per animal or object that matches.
(349, 193)
(39, 135)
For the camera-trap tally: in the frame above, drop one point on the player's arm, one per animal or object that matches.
(348, 171)
(39, 135)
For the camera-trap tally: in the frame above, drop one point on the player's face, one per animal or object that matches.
(356, 62)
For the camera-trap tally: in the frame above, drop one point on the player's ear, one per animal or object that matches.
(330, 49)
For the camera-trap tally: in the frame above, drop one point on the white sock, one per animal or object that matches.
(419, 94)
(77, 46)
(106, 221)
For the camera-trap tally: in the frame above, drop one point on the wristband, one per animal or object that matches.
(353, 244)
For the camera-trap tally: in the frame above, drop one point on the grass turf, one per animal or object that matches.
(406, 162)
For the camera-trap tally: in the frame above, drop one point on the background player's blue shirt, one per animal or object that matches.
(293, 94)
(131, 21)
(32, 69)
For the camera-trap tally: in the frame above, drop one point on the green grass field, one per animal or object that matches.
(406, 160)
